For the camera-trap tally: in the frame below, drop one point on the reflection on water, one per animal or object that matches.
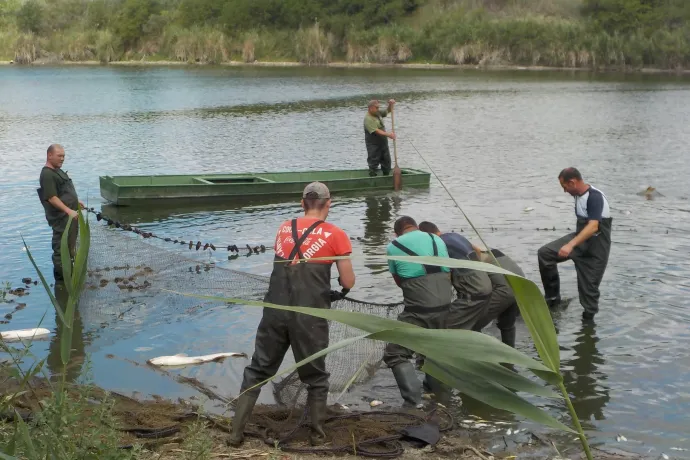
(582, 376)
(380, 213)
(62, 335)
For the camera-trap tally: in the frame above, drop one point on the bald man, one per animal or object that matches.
(376, 137)
(59, 200)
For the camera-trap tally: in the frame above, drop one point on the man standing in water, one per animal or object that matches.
(304, 283)
(588, 247)
(376, 138)
(427, 295)
(59, 200)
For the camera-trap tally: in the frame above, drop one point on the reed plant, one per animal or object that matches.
(67, 421)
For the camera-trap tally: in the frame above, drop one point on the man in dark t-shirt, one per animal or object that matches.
(588, 247)
(59, 200)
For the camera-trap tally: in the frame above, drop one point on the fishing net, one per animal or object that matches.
(131, 276)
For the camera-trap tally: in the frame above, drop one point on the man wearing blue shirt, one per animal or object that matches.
(427, 295)
(473, 287)
(588, 247)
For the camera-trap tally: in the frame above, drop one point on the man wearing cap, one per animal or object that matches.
(376, 138)
(298, 281)
(427, 295)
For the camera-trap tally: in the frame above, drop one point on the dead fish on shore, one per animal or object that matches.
(528, 209)
(24, 333)
(182, 359)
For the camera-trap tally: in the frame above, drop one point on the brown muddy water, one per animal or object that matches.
(497, 140)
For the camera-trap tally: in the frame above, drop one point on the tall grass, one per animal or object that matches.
(68, 422)
(455, 37)
(195, 45)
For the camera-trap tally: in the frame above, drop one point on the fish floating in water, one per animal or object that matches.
(182, 359)
(375, 403)
(649, 192)
(528, 209)
(24, 333)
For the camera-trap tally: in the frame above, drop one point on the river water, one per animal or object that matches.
(497, 140)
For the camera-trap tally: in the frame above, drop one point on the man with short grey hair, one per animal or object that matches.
(298, 281)
(376, 137)
(59, 200)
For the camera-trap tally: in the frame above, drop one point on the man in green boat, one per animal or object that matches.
(59, 200)
(376, 137)
(298, 281)
(427, 295)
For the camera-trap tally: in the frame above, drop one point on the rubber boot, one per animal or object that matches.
(441, 391)
(508, 336)
(553, 302)
(243, 410)
(317, 413)
(408, 383)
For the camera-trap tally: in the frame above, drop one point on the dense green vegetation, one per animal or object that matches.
(573, 33)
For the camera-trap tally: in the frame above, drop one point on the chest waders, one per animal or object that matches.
(473, 288)
(502, 305)
(58, 219)
(377, 152)
(590, 259)
(427, 300)
(296, 284)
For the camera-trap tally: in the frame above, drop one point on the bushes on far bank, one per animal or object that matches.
(475, 32)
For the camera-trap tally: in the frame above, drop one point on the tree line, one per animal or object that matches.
(442, 30)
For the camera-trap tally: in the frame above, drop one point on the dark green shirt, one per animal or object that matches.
(56, 182)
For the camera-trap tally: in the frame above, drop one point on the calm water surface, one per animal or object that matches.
(497, 140)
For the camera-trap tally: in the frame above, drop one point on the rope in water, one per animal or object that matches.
(234, 248)
(258, 249)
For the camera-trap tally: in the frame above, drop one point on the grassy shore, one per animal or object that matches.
(351, 65)
(433, 38)
(118, 427)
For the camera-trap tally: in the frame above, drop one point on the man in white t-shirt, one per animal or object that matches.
(588, 247)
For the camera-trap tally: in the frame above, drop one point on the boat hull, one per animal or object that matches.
(135, 190)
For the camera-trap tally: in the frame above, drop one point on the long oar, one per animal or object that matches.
(397, 173)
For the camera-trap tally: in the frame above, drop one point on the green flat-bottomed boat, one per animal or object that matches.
(133, 190)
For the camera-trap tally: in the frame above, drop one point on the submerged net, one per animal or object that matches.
(131, 274)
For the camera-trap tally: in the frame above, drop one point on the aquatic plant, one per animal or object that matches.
(69, 424)
(4, 289)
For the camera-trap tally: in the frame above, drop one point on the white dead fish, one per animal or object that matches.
(528, 209)
(24, 333)
(182, 359)
(620, 438)
(375, 403)
(664, 456)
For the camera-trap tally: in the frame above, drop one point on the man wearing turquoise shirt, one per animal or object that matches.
(427, 295)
